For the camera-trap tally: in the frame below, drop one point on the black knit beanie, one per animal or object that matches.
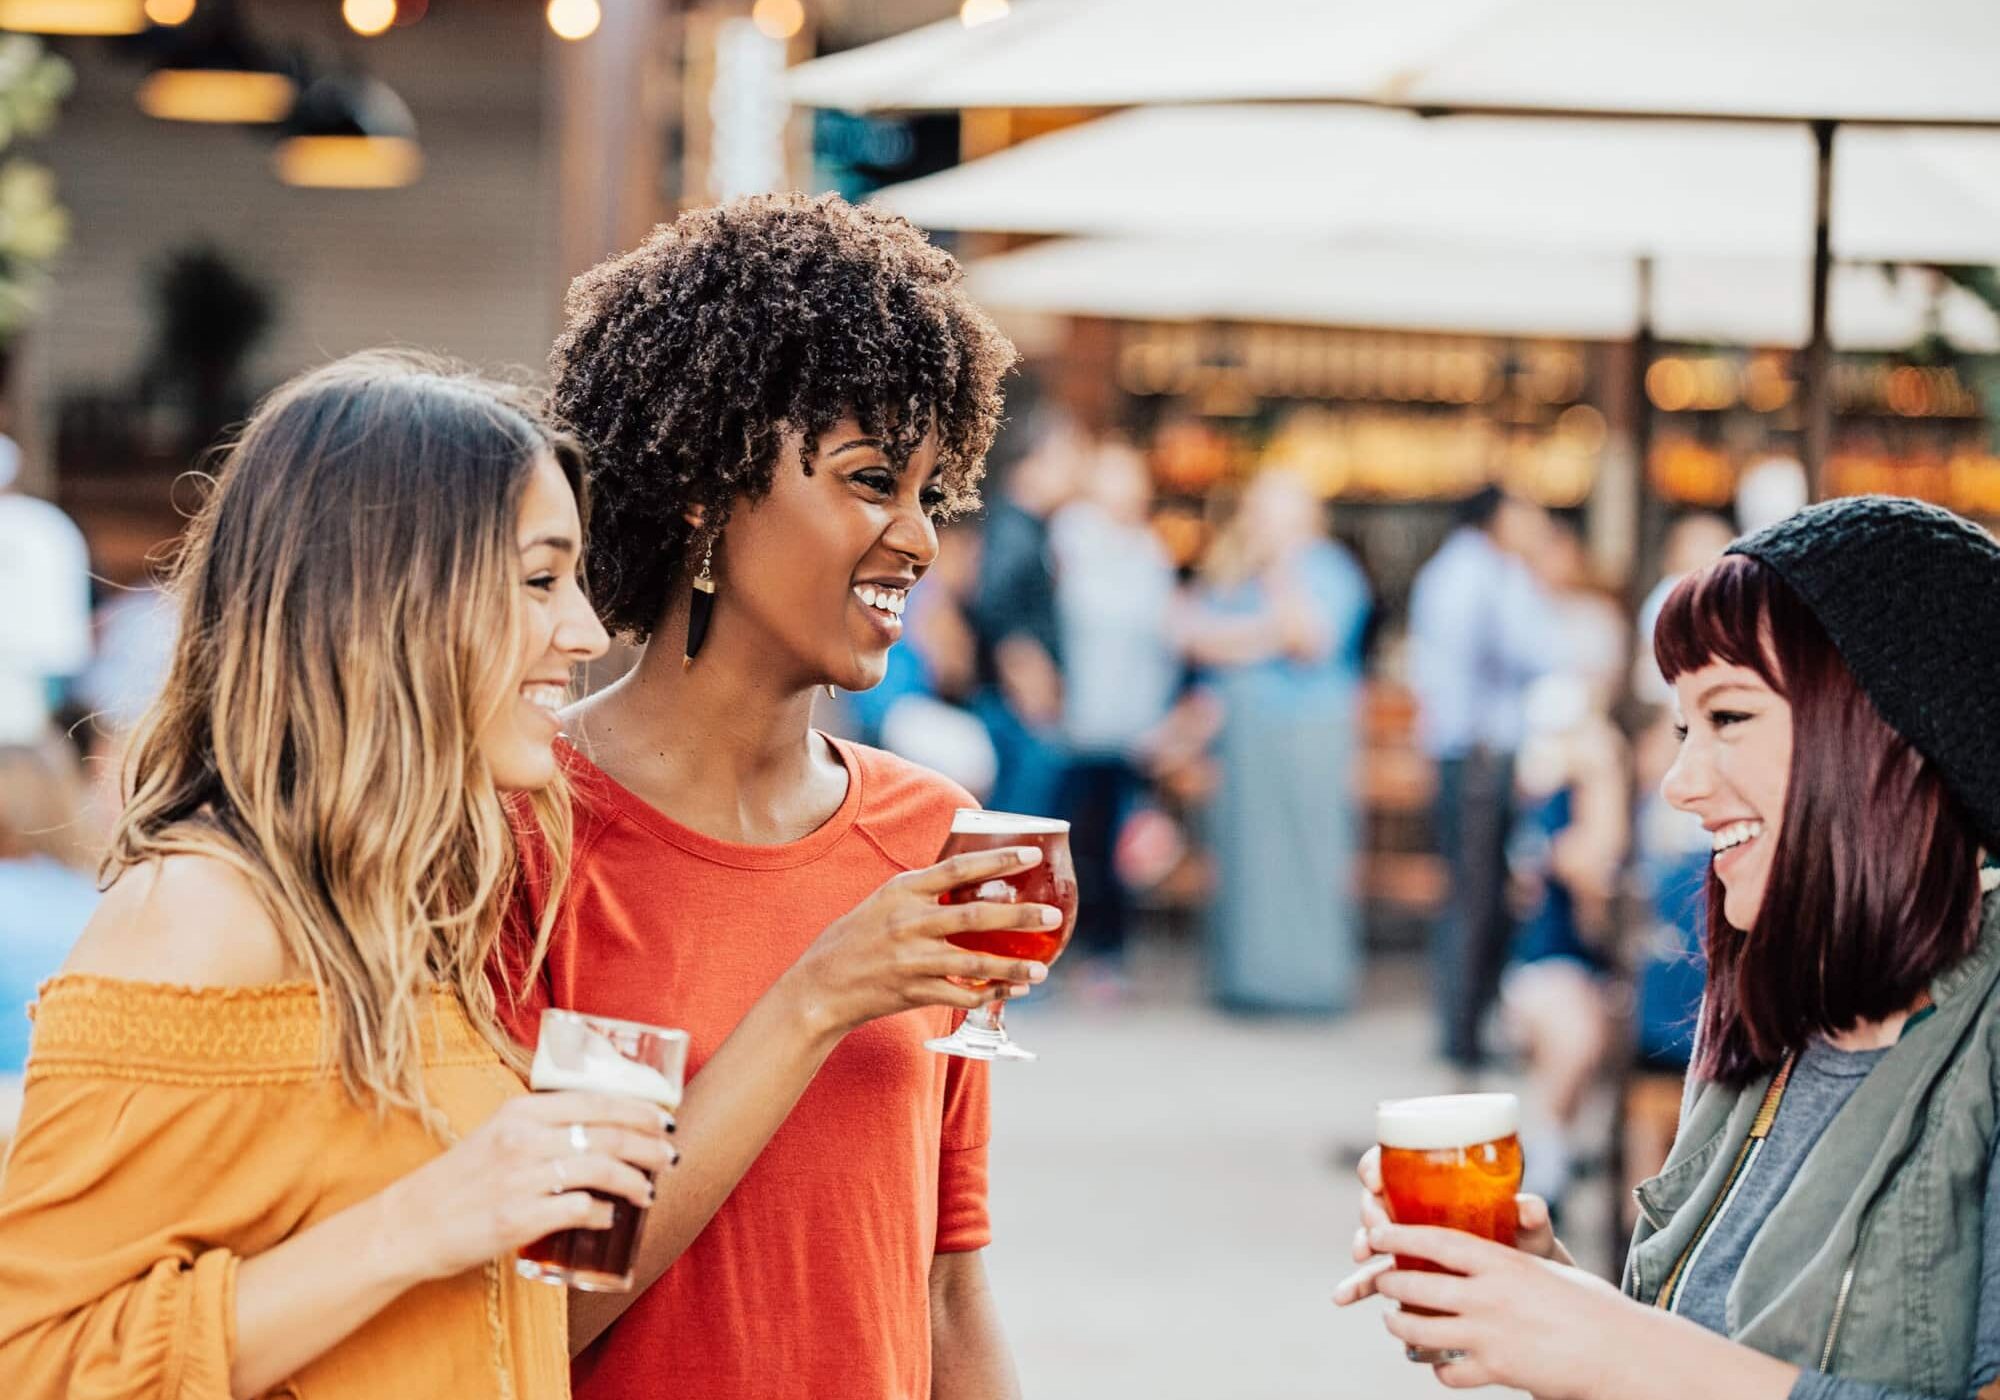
(1910, 596)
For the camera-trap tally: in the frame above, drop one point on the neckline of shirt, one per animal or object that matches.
(621, 801)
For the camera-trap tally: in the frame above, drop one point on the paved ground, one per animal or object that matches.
(1169, 1212)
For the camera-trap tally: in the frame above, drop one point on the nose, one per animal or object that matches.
(1691, 779)
(913, 534)
(579, 635)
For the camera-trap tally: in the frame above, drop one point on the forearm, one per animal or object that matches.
(300, 1299)
(1665, 1357)
(1234, 641)
(969, 1356)
(731, 1110)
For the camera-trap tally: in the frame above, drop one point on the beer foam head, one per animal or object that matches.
(1446, 1121)
(977, 821)
(594, 1065)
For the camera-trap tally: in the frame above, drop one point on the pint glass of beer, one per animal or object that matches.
(599, 1055)
(982, 1036)
(1455, 1161)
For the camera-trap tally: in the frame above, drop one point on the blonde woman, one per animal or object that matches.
(272, 1136)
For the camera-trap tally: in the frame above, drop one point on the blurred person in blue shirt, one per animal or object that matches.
(46, 896)
(1277, 630)
(1115, 590)
(1480, 632)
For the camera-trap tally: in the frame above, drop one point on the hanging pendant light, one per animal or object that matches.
(212, 70)
(349, 133)
(73, 16)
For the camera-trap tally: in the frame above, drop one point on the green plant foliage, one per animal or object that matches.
(34, 227)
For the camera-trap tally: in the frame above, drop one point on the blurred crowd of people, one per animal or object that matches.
(1059, 662)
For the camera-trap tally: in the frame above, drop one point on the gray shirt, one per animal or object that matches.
(1822, 1081)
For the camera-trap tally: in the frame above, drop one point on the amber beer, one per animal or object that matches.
(1455, 1161)
(599, 1055)
(982, 1035)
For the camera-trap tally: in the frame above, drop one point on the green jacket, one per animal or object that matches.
(1869, 1266)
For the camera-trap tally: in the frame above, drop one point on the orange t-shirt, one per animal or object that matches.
(813, 1280)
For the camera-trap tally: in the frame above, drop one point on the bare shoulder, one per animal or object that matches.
(185, 920)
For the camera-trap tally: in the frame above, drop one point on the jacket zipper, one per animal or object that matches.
(1760, 1128)
(1840, 1307)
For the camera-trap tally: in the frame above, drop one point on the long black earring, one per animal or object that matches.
(701, 606)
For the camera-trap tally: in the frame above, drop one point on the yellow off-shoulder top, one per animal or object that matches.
(167, 1133)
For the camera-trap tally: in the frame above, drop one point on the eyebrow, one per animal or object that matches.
(852, 443)
(561, 542)
(1719, 688)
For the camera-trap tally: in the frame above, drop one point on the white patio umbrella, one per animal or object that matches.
(1914, 62)
(1823, 63)
(1447, 288)
(1637, 188)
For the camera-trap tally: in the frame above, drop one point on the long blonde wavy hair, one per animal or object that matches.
(348, 598)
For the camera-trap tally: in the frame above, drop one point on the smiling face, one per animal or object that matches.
(813, 578)
(555, 630)
(1733, 772)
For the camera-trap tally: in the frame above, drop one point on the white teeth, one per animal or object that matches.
(547, 697)
(888, 600)
(1735, 834)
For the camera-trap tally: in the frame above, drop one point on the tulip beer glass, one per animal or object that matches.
(599, 1055)
(982, 1036)
(1455, 1161)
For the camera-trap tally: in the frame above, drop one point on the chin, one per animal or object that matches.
(1741, 909)
(523, 772)
(862, 672)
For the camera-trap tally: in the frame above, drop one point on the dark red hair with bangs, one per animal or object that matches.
(1874, 886)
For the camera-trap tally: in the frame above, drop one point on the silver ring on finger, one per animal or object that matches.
(579, 1138)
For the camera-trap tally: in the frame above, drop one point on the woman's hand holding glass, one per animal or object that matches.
(1524, 1317)
(524, 1173)
(892, 951)
(1536, 1235)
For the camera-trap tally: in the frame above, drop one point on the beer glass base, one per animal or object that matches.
(583, 1280)
(978, 1043)
(1434, 1356)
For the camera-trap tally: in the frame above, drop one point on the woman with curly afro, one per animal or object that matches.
(784, 395)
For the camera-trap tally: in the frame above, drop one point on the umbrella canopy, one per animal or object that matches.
(1746, 60)
(1455, 289)
(1635, 188)
(1927, 61)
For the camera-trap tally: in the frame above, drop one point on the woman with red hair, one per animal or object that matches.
(1824, 1226)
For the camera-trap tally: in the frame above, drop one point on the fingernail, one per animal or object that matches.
(1051, 917)
(1375, 1234)
(1037, 971)
(1028, 855)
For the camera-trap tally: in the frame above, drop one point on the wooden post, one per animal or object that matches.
(1819, 349)
(613, 101)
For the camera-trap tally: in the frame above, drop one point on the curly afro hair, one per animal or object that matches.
(685, 362)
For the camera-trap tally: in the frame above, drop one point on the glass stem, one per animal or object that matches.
(987, 1017)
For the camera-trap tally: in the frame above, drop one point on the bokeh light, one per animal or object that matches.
(574, 19)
